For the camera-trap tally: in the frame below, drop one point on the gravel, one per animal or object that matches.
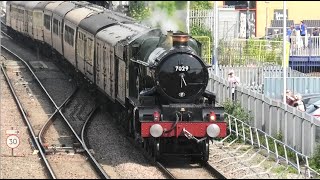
(115, 153)
(243, 161)
(14, 167)
(39, 109)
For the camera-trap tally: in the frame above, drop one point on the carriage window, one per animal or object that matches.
(68, 36)
(71, 36)
(47, 21)
(55, 26)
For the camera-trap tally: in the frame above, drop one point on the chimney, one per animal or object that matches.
(180, 39)
(168, 42)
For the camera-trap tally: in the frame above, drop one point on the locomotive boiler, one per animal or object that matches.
(156, 82)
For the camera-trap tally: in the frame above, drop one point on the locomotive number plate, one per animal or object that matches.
(182, 68)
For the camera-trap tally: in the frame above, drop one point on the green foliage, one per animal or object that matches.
(315, 160)
(181, 5)
(251, 51)
(200, 31)
(138, 10)
(235, 109)
(168, 6)
(201, 5)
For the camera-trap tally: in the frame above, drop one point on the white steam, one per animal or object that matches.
(160, 18)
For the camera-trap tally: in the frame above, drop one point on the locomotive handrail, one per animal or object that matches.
(140, 62)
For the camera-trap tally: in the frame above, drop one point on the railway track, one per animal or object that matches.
(34, 137)
(158, 164)
(172, 170)
(182, 170)
(58, 111)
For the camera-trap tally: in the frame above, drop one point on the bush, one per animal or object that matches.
(138, 10)
(235, 109)
(315, 159)
(201, 5)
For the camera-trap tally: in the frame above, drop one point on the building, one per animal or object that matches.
(270, 13)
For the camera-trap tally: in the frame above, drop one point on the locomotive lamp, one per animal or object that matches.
(213, 130)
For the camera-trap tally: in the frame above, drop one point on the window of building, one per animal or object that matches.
(241, 4)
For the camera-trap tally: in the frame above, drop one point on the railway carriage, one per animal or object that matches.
(57, 25)
(28, 18)
(88, 28)
(9, 12)
(112, 42)
(156, 82)
(38, 19)
(47, 17)
(70, 28)
(14, 14)
(86, 40)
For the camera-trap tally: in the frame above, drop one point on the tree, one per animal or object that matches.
(138, 10)
(201, 5)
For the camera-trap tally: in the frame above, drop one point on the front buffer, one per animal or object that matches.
(180, 130)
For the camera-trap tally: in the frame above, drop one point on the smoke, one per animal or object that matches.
(160, 18)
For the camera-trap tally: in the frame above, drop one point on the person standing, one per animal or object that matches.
(234, 81)
(303, 32)
(290, 32)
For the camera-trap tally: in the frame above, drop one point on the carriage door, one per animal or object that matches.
(89, 59)
(121, 75)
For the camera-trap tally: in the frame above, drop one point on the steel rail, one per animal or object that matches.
(92, 160)
(27, 121)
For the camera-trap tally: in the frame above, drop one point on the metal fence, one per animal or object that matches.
(298, 129)
(250, 51)
(305, 46)
(202, 18)
(277, 151)
(273, 86)
(228, 21)
(251, 74)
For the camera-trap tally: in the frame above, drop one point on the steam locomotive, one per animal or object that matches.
(157, 81)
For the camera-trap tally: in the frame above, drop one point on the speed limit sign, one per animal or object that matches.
(13, 141)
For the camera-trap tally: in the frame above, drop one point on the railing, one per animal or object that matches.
(298, 129)
(276, 150)
(311, 48)
(252, 75)
(202, 18)
(245, 52)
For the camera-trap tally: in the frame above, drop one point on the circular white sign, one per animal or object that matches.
(13, 141)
